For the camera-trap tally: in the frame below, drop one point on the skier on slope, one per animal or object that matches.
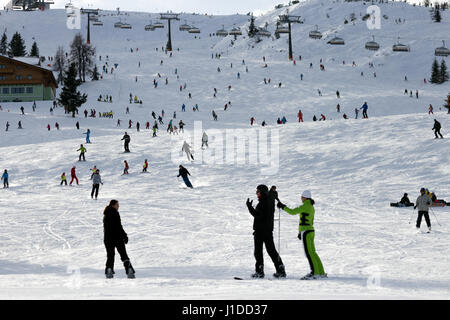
(63, 179)
(437, 129)
(5, 177)
(263, 215)
(82, 150)
(364, 108)
(204, 139)
(115, 238)
(88, 135)
(306, 234)
(144, 168)
(422, 204)
(96, 181)
(187, 148)
(183, 172)
(127, 139)
(126, 167)
(73, 175)
(300, 116)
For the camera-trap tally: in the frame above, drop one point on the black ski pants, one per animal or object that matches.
(111, 252)
(81, 156)
(95, 188)
(419, 218)
(438, 132)
(265, 238)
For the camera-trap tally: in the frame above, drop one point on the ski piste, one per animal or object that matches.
(354, 167)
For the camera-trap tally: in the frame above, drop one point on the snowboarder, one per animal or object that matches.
(183, 172)
(73, 175)
(63, 179)
(144, 169)
(115, 238)
(82, 150)
(187, 148)
(437, 129)
(5, 179)
(127, 139)
(306, 234)
(88, 134)
(263, 215)
(204, 139)
(422, 204)
(96, 181)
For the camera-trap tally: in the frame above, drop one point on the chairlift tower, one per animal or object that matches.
(169, 17)
(287, 18)
(89, 12)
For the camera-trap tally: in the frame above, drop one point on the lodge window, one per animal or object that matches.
(17, 90)
(2, 77)
(5, 91)
(2, 66)
(29, 77)
(19, 77)
(29, 89)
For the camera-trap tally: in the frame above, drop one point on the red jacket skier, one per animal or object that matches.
(300, 116)
(73, 175)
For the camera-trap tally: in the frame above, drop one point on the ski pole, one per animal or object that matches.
(435, 216)
(279, 230)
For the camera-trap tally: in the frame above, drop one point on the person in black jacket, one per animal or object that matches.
(183, 172)
(437, 129)
(115, 237)
(127, 139)
(263, 231)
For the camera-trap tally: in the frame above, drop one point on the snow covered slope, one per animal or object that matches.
(190, 243)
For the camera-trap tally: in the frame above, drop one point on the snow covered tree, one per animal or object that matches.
(443, 73)
(70, 98)
(60, 64)
(34, 52)
(95, 74)
(252, 30)
(435, 72)
(4, 44)
(17, 46)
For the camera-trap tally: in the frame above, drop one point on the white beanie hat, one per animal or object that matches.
(306, 194)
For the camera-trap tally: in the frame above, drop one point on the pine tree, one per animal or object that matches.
(34, 50)
(252, 30)
(70, 98)
(435, 72)
(443, 73)
(95, 74)
(4, 44)
(17, 46)
(437, 15)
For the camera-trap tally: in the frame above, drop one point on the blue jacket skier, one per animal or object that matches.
(5, 179)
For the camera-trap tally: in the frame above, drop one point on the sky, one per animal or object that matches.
(198, 6)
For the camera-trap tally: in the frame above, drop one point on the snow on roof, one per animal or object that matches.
(30, 60)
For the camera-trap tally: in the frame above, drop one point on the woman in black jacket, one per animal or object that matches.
(115, 237)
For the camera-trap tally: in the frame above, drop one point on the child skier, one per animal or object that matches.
(126, 167)
(82, 152)
(145, 166)
(63, 179)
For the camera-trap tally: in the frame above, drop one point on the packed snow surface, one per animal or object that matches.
(189, 244)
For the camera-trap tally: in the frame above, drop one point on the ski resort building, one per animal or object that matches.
(25, 81)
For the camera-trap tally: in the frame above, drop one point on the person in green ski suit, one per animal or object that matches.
(306, 234)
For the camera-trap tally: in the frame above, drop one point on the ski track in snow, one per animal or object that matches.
(191, 243)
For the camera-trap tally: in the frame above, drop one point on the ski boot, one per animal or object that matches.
(129, 269)
(281, 273)
(429, 230)
(309, 276)
(259, 272)
(109, 272)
